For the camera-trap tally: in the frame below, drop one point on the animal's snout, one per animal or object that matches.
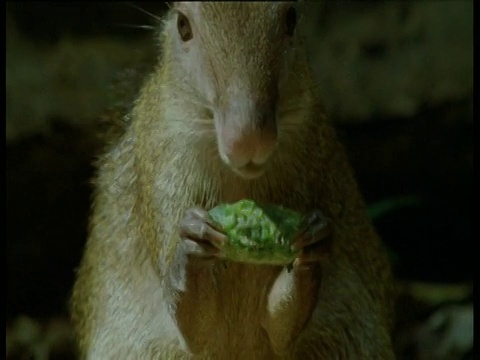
(248, 145)
(247, 139)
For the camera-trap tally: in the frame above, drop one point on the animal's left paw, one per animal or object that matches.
(314, 239)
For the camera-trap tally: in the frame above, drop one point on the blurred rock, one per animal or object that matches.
(71, 80)
(28, 338)
(434, 322)
(447, 334)
(390, 58)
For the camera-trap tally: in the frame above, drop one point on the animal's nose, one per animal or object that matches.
(248, 145)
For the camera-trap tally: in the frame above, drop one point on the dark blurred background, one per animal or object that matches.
(397, 81)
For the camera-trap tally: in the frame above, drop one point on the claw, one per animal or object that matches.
(200, 231)
(204, 237)
(313, 239)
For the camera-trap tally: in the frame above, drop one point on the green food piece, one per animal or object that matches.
(260, 234)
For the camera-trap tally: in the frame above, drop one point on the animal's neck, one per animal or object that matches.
(281, 183)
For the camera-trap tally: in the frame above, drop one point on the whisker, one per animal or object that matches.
(143, 10)
(145, 27)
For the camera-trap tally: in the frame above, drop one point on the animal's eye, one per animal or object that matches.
(183, 26)
(290, 20)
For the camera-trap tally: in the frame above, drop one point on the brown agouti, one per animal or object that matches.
(230, 112)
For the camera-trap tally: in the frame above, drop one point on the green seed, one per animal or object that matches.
(260, 234)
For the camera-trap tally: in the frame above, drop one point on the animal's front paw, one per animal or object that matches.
(201, 235)
(314, 239)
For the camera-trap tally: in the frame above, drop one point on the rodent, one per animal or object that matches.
(231, 111)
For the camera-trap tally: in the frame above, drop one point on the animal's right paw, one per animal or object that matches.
(201, 235)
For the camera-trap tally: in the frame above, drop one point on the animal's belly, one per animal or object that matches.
(223, 307)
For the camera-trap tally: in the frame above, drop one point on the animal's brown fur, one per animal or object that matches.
(138, 295)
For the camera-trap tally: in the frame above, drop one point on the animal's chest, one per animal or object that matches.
(300, 194)
(224, 305)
